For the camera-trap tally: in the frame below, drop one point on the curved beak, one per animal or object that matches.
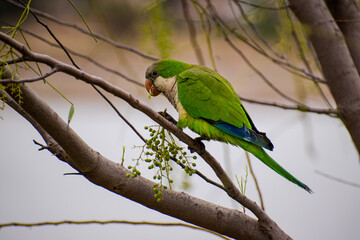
(151, 88)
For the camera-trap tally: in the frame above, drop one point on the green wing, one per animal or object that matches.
(205, 94)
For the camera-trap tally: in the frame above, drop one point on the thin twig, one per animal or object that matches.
(260, 6)
(96, 63)
(255, 180)
(29, 80)
(192, 32)
(96, 89)
(281, 62)
(200, 10)
(256, 32)
(51, 33)
(208, 180)
(98, 36)
(119, 114)
(242, 27)
(71, 222)
(329, 112)
(338, 179)
(261, 75)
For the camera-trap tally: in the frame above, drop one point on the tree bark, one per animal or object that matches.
(335, 59)
(347, 16)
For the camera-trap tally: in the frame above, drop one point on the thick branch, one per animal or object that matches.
(52, 145)
(335, 59)
(347, 15)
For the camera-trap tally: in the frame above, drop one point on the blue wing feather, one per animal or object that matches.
(244, 133)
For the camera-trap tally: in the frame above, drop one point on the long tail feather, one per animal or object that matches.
(265, 158)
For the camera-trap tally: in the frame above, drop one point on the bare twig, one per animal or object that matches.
(51, 33)
(206, 30)
(119, 114)
(256, 32)
(242, 27)
(255, 180)
(96, 63)
(329, 112)
(72, 222)
(192, 32)
(338, 179)
(29, 80)
(260, 6)
(225, 28)
(261, 75)
(95, 88)
(98, 36)
(197, 172)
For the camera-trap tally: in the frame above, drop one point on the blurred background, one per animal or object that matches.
(33, 185)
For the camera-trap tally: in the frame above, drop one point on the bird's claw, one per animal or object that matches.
(168, 117)
(200, 144)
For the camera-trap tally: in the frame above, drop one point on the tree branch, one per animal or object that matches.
(338, 179)
(335, 59)
(52, 145)
(70, 222)
(347, 16)
(260, 6)
(261, 75)
(302, 55)
(329, 112)
(29, 80)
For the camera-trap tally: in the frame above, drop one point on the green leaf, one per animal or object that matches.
(71, 113)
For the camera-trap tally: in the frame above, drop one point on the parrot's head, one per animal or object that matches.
(158, 73)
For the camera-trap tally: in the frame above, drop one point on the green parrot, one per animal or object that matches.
(209, 106)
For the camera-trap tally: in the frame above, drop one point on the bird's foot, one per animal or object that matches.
(168, 117)
(200, 144)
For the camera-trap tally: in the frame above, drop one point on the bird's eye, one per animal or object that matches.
(155, 73)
